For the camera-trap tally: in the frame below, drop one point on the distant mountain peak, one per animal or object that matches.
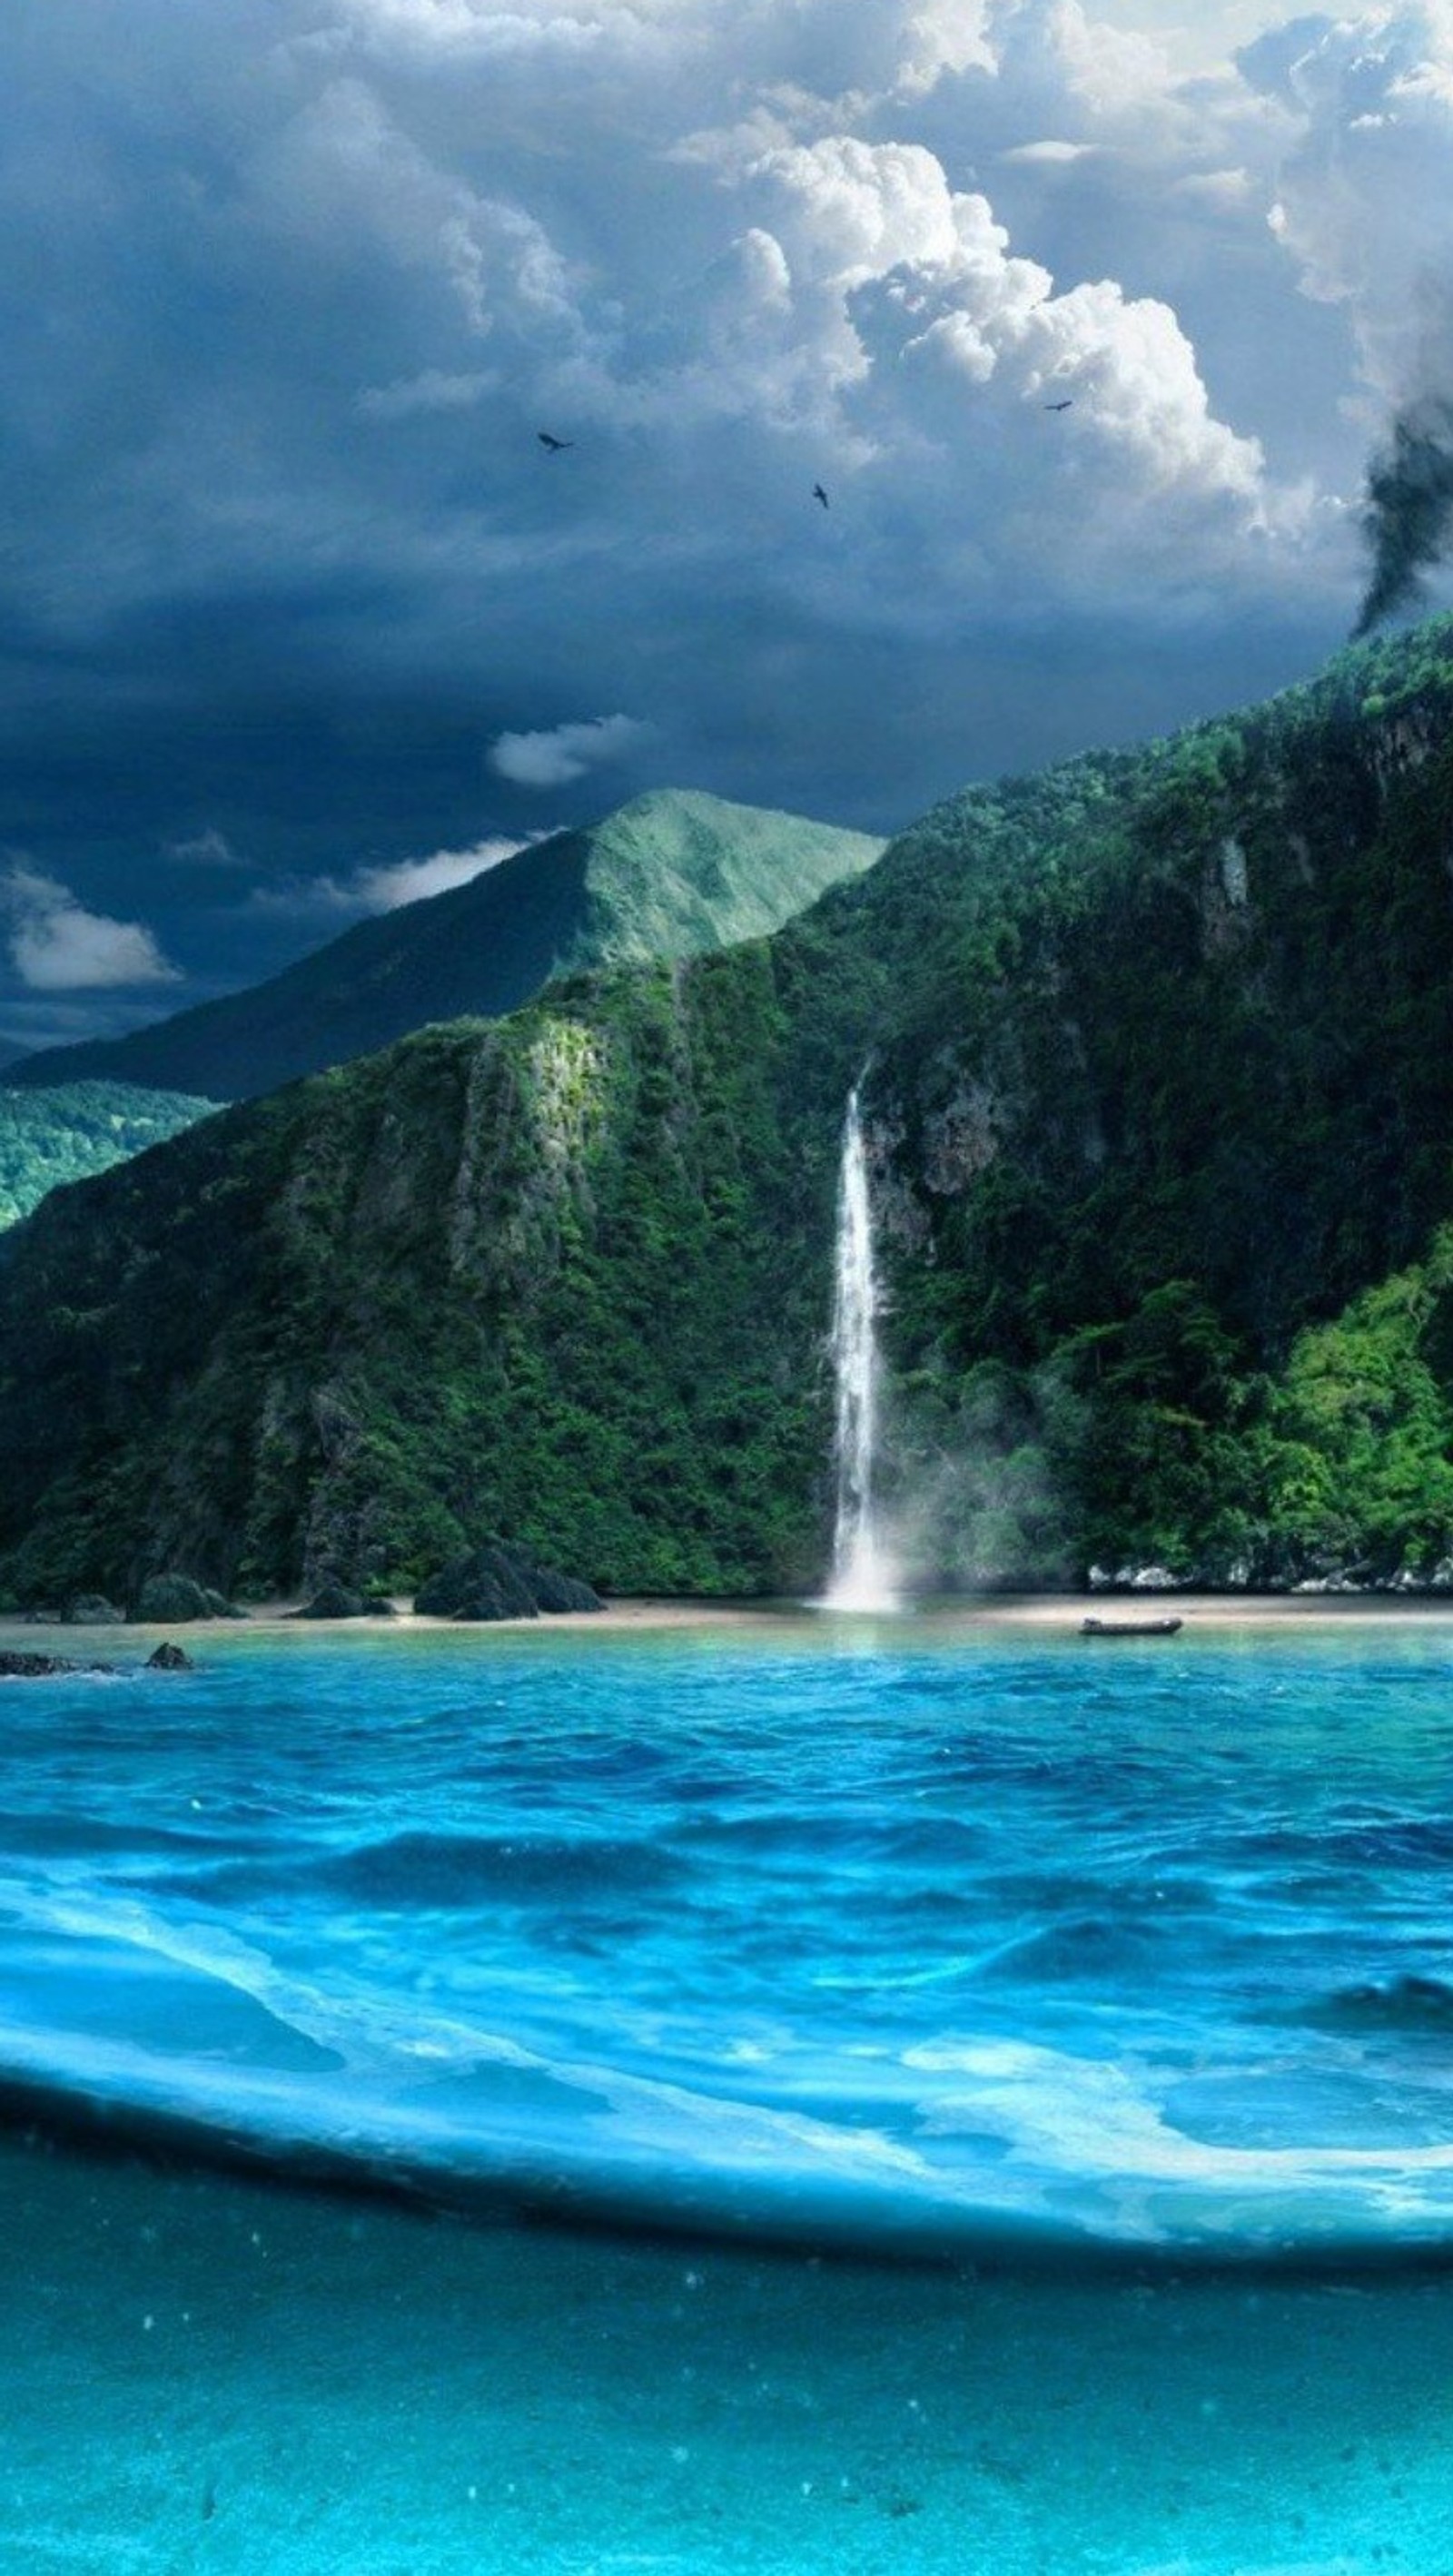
(672, 873)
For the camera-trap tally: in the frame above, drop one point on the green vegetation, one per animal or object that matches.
(69, 1131)
(670, 875)
(1160, 1108)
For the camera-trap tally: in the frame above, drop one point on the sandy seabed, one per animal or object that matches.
(206, 2373)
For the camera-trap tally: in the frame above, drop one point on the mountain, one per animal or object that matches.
(669, 875)
(1158, 1090)
(67, 1132)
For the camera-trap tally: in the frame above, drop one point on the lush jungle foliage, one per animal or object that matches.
(69, 1131)
(1160, 1102)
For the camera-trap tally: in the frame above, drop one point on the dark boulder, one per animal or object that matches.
(486, 1584)
(170, 1599)
(170, 1659)
(501, 1581)
(334, 1600)
(556, 1592)
(16, 1667)
(92, 1610)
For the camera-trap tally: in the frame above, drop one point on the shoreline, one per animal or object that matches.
(1041, 1614)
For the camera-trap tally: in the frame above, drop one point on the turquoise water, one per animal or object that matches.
(898, 1937)
(206, 2376)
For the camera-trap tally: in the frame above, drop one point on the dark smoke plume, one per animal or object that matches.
(1409, 511)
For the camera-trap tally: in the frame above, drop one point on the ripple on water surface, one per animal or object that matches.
(926, 1941)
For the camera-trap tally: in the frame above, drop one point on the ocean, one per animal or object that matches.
(847, 2093)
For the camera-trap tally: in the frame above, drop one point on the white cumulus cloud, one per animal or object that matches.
(1365, 196)
(57, 946)
(896, 272)
(383, 889)
(557, 757)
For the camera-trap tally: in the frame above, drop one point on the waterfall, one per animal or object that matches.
(860, 1572)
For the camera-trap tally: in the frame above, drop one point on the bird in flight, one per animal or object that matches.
(818, 494)
(1067, 405)
(553, 446)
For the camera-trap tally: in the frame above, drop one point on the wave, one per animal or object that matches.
(433, 1869)
(756, 1949)
(1079, 1950)
(1417, 2006)
(956, 2144)
(1056, 2155)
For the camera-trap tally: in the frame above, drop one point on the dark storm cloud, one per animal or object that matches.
(1409, 514)
(290, 292)
(1364, 206)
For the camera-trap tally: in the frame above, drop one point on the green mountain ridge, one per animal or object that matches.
(669, 875)
(1159, 1102)
(69, 1131)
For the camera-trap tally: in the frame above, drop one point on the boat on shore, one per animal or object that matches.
(1168, 1626)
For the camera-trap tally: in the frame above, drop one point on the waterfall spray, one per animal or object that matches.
(860, 1573)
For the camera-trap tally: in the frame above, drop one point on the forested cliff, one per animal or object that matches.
(1159, 1094)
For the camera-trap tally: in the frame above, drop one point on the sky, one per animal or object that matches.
(299, 618)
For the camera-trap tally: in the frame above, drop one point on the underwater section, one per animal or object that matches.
(216, 2376)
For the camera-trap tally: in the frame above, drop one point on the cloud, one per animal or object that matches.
(1230, 192)
(345, 173)
(380, 888)
(383, 889)
(434, 389)
(1364, 206)
(293, 283)
(208, 849)
(57, 946)
(527, 31)
(1054, 51)
(944, 36)
(1365, 209)
(902, 280)
(566, 752)
(1049, 154)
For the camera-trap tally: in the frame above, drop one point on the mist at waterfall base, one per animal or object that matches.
(968, 1500)
(967, 1504)
(974, 1485)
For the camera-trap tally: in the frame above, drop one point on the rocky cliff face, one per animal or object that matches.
(1158, 1090)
